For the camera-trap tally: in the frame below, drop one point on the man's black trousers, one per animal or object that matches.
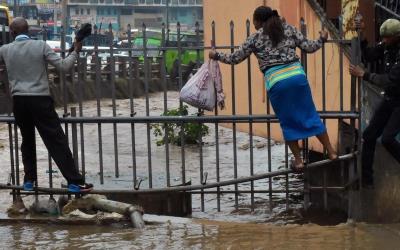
(39, 112)
(386, 123)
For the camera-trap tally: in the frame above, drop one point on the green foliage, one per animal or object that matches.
(191, 132)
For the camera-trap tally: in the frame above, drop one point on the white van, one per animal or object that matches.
(56, 45)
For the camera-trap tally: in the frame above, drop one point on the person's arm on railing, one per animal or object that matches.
(392, 78)
(309, 46)
(63, 65)
(238, 56)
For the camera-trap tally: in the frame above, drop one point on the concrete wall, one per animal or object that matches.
(292, 10)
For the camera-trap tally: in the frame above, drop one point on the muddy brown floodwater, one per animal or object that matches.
(264, 228)
(202, 235)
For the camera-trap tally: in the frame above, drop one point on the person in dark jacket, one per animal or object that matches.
(385, 121)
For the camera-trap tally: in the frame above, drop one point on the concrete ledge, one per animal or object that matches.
(381, 204)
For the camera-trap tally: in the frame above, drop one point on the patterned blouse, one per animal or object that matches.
(267, 55)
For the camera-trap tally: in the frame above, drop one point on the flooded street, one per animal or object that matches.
(267, 227)
(263, 212)
(201, 235)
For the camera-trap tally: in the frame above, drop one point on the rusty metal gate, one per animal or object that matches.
(122, 158)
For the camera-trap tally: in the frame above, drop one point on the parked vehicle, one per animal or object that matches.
(5, 20)
(56, 45)
(104, 54)
(189, 56)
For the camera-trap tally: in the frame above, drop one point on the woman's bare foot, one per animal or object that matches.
(324, 139)
(332, 156)
(297, 165)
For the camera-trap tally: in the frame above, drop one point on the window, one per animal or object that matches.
(76, 11)
(126, 12)
(82, 12)
(88, 11)
(157, 2)
(74, 1)
(142, 1)
(183, 2)
(150, 2)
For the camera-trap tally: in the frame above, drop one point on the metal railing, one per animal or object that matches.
(392, 7)
(226, 175)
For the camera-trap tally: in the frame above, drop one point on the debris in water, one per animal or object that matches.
(245, 146)
(258, 145)
(97, 216)
(49, 206)
(261, 145)
(100, 203)
(17, 208)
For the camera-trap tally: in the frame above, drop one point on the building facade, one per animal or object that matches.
(118, 13)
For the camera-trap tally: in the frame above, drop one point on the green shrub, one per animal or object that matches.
(192, 132)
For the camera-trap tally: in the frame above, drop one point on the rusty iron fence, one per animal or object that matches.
(140, 70)
(391, 7)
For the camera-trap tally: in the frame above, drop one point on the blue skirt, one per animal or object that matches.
(292, 102)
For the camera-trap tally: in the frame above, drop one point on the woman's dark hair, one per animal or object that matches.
(272, 23)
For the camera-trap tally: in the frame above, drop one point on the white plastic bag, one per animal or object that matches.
(199, 91)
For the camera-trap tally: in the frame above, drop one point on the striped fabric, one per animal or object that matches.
(282, 72)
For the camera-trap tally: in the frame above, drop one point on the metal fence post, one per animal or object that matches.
(132, 70)
(146, 87)
(114, 105)
(235, 165)
(98, 80)
(163, 74)
(180, 84)
(82, 66)
(306, 196)
(216, 131)
(353, 102)
(200, 138)
(74, 139)
(250, 104)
